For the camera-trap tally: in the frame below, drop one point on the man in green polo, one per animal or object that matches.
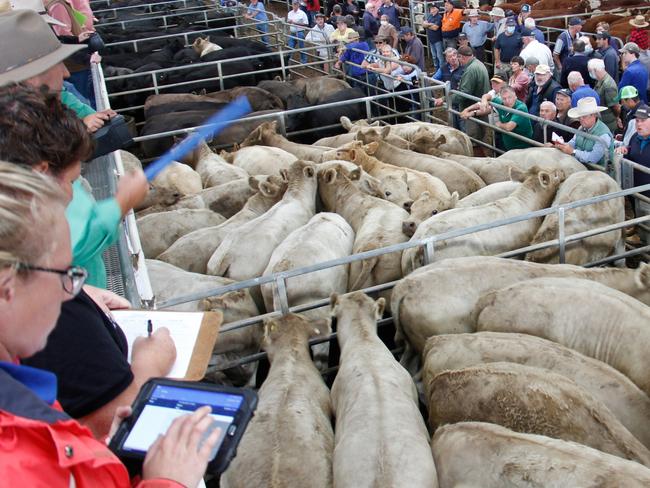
(589, 151)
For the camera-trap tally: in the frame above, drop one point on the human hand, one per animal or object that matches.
(465, 114)
(120, 414)
(619, 123)
(132, 189)
(95, 121)
(155, 353)
(179, 455)
(565, 148)
(95, 58)
(621, 150)
(85, 35)
(106, 300)
(437, 102)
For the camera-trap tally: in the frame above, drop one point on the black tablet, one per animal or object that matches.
(162, 400)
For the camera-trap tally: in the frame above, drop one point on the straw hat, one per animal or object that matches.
(586, 106)
(639, 22)
(29, 47)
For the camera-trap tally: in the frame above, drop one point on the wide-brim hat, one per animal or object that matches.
(639, 22)
(38, 7)
(29, 47)
(586, 106)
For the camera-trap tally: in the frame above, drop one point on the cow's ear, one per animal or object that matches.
(440, 140)
(353, 154)
(454, 200)
(267, 189)
(516, 174)
(405, 176)
(346, 123)
(375, 124)
(274, 126)
(380, 305)
(642, 276)
(329, 176)
(371, 148)
(253, 183)
(334, 300)
(544, 179)
(355, 174)
(284, 173)
(385, 131)
(308, 171)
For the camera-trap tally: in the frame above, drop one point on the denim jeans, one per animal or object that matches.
(292, 41)
(437, 55)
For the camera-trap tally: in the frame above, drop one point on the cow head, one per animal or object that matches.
(200, 43)
(284, 333)
(642, 281)
(371, 148)
(425, 142)
(425, 206)
(357, 304)
(396, 190)
(235, 305)
(372, 135)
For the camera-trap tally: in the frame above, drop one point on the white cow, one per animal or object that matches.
(160, 230)
(214, 170)
(536, 192)
(376, 222)
(533, 401)
(193, 251)
(627, 402)
(289, 441)
(472, 454)
(260, 160)
(579, 186)
(266, 134)
(440, 298)
(179, 178)
(591, 318)
(380, 436)
(246, 251)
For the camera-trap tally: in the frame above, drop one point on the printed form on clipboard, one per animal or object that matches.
(194, 335)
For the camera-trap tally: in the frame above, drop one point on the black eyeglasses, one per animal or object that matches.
(72, 278)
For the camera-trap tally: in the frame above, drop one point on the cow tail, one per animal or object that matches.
(366, 268)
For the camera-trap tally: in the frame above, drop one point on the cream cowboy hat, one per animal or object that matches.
(29, 47)
(586, 106)
(639, 22)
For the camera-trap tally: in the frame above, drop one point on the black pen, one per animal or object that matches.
(149, 328)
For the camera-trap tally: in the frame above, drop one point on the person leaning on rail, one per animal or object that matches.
(586, 150)
(41, 445)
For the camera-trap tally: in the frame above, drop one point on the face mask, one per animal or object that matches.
(383, 22)
(510, 30)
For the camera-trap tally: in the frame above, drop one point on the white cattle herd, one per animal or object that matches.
(531, 373)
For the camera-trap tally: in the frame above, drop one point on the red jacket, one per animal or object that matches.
(42, 447)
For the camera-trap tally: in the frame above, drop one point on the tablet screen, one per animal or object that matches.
(168, 402)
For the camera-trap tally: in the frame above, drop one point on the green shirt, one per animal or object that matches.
(93, 227)
(71, 101)
(607, 90)
(475, 81)
(523, 128)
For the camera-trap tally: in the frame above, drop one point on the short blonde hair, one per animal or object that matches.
(29, 204)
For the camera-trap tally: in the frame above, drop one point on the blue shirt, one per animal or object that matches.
(391, 13)
(508, 46)
(258, 12)
(582, 92)
(477, 34)
(435, 35)
(40, 382)
(355, 57)
(636, 75)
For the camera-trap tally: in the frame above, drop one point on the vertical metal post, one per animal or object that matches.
(450, 116)
(155, 83)
(424, 98)
(368, 111)
(428, 252)
(283, 125)
(280, 293)
(561, 235)
(220, 72)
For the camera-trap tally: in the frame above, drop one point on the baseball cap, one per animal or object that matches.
(353, 35)
(542, 69)
(575, 21)
(465, 51)
(564, 91)
(526, 32)
(498, 77)
(319, 14)
(29, 47)
(473, 13)
(462, 35)
(642, 112)
(630, 47)
(497, 12)
(525, 8)
(629, 92)
(511, 21)
(405, 30)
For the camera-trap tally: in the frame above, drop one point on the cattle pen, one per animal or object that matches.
(375, 108)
